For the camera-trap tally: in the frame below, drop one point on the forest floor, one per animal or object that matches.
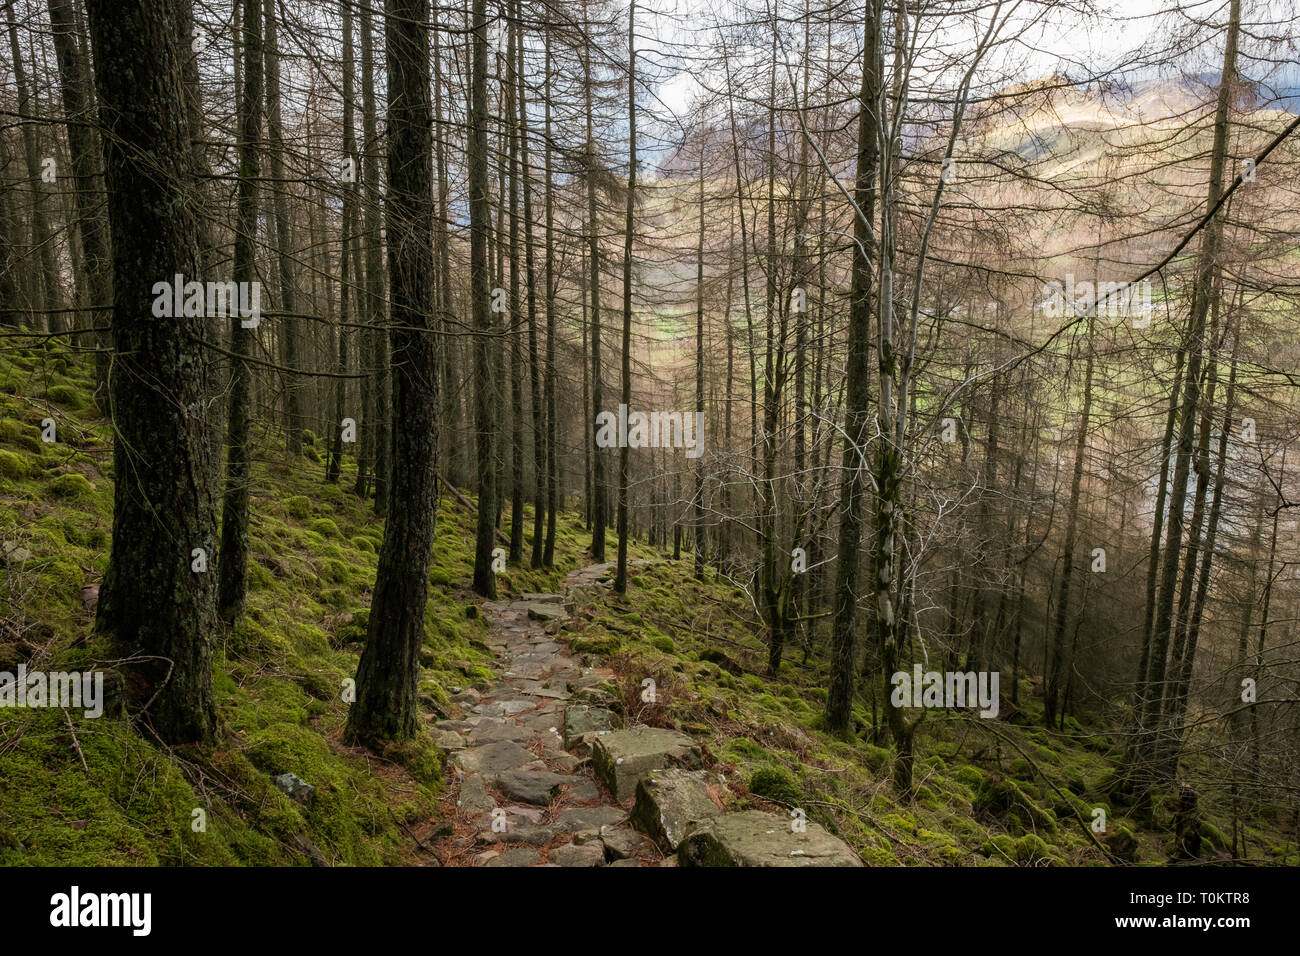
(104, 791)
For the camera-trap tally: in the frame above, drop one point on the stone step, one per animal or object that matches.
(756, 838)
(530, 597)
(537, 787)
(581, 720)
(620, 758)
(544, 612)
(671, 804)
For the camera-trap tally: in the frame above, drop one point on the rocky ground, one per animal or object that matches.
(544, 773)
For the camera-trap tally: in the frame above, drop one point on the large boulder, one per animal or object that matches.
(671, 803)
(622, 757)
(755, 838)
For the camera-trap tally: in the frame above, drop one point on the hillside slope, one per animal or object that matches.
(103, 791)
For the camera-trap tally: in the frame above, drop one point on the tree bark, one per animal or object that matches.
(159, 611)
(388, 672)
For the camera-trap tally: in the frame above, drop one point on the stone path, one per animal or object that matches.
(544, 775)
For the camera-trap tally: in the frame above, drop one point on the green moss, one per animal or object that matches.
(1010, 803)
(606, 644)
(1213, 835)
(72, 485)
(66, 396)
(663, 643)
(742, 748)
(326, 528)
(12, 466)
(970, 776)
(298, 506)
(874, 856)
(877, 758)
(776, 783)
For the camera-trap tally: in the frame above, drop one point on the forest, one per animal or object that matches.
(744, 433)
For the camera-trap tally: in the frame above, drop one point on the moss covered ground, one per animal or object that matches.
(83, 791)
(279, 672)
(986, 793)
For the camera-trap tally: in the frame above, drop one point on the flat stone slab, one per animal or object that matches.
(537, 787)
(756, 838)
(588, 818)
(585, 792)
(526, 669)
(671, 804)
(519, 856)
(449, 740)
(502, 755)
(531, 814)
(505, 708)
(581, 719)
(494, 730)
(532, 597)
(455, 726)
(532, 835)
(542, 611)
(590, 854)
(473, 796)
(621, 757)
(620, 844)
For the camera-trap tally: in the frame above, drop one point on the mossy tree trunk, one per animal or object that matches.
(511, 133)
(161, 612)
(385, 708)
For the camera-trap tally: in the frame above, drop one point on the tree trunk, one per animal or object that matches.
(624, 460)
(388, 673)
(79, 110)
(151, 600)
(233, 565)
(857, 414)
(480, 213)
(598, 489)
